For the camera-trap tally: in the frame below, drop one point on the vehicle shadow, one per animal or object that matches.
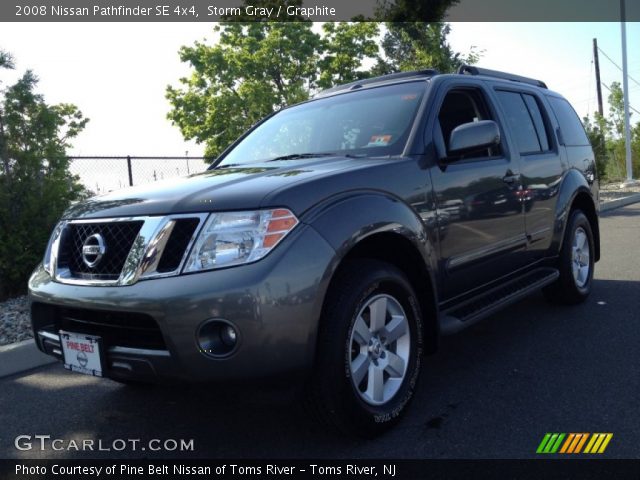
(486, 394)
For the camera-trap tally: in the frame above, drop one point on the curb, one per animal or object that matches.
(620, 202)
(21, 356)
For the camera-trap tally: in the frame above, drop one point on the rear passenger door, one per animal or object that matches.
(541, 168)
(480, 217)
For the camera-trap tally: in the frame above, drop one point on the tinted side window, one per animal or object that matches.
(460, 106)
(519, 121)
(570, 125)
(534, 111)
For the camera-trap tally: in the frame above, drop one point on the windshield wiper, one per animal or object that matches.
(296, 156)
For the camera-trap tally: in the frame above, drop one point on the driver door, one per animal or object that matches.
(479, 212)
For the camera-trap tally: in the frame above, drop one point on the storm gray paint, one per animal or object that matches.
(273, 303)
(276, 302)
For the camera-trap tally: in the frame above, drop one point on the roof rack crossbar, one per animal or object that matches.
(392, 76)
(470, 70)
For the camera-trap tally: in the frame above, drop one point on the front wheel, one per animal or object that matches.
(575, 263)
(369, 349)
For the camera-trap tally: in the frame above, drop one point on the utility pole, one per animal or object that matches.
(625, 92)
(596, 62)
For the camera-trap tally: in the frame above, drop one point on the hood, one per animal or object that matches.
(226, 188)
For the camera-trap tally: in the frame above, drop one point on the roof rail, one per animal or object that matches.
(380, 79)
(469, 70)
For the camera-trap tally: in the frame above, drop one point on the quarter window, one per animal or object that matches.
(570, 126)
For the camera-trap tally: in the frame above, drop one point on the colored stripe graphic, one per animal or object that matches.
(543, 443)
(581, 443)
(598, 443)
(574, 443)
(568, 442)
(550, 443)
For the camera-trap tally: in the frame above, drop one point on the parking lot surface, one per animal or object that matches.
(492, 391)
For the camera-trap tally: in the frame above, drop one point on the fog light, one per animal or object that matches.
(217, 338)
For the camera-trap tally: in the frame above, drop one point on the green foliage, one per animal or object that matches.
(35, 184)
(607, 138)
(596, 132)
(260, 67)
(419, 45)
(346, 46)
(616, 108)
(398, 11)
(254, 69)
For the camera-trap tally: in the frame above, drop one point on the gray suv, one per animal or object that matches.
(332, 244)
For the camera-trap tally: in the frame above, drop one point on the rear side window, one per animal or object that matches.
(520, 121)
(572, 130)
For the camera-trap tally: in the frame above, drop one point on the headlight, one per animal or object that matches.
(234, 238)
(48, 262)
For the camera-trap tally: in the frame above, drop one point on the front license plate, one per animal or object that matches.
(81, 353)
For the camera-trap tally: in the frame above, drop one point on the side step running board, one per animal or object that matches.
(475, 309)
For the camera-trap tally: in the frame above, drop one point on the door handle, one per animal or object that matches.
(511, 177)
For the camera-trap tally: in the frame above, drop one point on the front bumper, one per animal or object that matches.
(274, 303)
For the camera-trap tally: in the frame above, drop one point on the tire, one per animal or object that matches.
(575, 263)
(351, 348)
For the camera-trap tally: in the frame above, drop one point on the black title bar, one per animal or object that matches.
(318, 469)
(316, 10)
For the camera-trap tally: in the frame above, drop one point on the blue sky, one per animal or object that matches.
(117, 73)
(558, 53)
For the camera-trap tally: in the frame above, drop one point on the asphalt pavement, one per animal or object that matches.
(492, 391)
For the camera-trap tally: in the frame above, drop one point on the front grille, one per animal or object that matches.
(177, 244)
(123, 329)
(118, 239)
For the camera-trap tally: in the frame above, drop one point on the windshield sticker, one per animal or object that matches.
(379, 141)
(410, 96)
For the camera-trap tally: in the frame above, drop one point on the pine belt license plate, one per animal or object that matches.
(82, 353)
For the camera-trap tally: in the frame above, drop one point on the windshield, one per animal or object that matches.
(371, 122)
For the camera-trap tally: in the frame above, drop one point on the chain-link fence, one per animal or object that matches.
(100, 174)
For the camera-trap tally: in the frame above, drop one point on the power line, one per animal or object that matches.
(630, 106)
(617, 66)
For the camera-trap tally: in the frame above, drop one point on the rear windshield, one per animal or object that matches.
(371, 122)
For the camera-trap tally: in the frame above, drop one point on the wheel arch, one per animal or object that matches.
(397, 250)
(383, 228)
(575, 193)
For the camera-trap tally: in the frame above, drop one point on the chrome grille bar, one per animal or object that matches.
(143, 257)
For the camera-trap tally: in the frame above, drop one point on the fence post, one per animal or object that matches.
(129, 169)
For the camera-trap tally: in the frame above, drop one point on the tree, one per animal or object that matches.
(400, 11)
(607, 138)
(616, 108)
(35, 183)
(597, 132)
(254, 69)
(346, 47)
(260, 67)
(420, 45)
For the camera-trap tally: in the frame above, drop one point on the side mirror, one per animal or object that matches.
(472, 137)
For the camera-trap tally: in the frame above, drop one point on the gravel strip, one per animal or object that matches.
(612, 191)
(15, 322)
